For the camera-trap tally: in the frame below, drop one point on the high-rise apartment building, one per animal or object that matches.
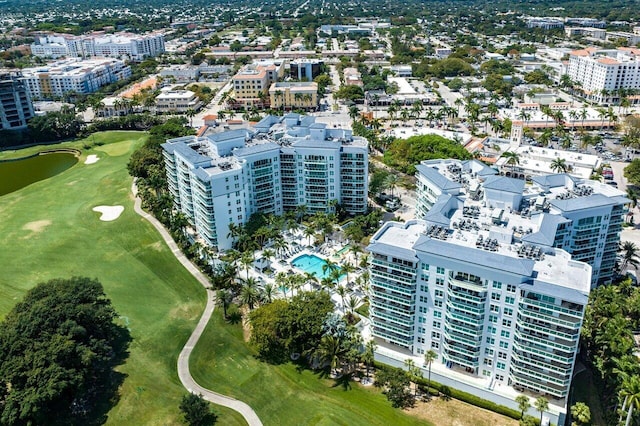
(494, 275)
(129, 46)
(283, 162)
(15, 104)
(558, 210)
(603, 72)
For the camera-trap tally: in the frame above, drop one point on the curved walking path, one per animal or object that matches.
(183, 359)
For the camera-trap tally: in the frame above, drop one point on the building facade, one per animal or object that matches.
(16, 107)
(282, 163)
(602, 73)
(133, 47)
(73, 76)
(305, 69)
(484, 308)
(580, 216)
(290, 95)
(177, 101)
(251, 84)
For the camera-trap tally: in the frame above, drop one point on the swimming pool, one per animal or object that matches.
(312, 264)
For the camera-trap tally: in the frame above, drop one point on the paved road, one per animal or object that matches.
(183, 359)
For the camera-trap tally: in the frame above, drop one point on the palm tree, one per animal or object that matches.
(342, 292)
(542, 405)
(268, 293)
(559, 165)
(629, 255)
(190, 113)
(249, 294)
(405, 115)
(330, 266)
(416, 109)
(523, 404)
(353, 303)
(414, 373)
(355, 249)
(429, 357)
(631, 393)
(330, 352)
(353, 112)
(282, 282)
(513, 159)
(246, 260)
(309, 232)
(391, 182)
(224, 299)
(368, 356)
(347, 268)
(581, 413)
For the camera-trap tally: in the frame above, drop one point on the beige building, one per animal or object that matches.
(290, 95)
(251, 84)
(179, 101)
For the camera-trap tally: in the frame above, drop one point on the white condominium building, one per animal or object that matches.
(602, 73)
(73, 76)
(282, 163)
(177, 101)
(580, 216)
(134, 47)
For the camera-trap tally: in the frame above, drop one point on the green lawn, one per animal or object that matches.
(282, 395)
(585, 390)
(49, 230)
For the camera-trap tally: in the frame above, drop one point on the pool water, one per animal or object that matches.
(311, 264)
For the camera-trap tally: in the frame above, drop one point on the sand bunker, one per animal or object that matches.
(36, 226)
(91, 159)
(109, 213)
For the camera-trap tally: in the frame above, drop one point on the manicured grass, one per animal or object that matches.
(49, 230)
(283, 395)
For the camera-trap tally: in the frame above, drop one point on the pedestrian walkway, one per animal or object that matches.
(183, 359)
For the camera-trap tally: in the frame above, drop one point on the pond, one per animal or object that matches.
(21, 172)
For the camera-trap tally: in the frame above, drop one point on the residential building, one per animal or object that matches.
(177, 101)
(293, 95)
(251, 84)
(537, 161)
(281, 163)
(15, 103)
(602, 73)
(545, 23)
(580, 216)
(134, 47)
(305, 69)
(73, 76)
(500, 317)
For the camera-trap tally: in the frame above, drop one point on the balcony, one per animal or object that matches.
(476, 286)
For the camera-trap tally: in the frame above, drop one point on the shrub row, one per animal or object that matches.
(463, 396)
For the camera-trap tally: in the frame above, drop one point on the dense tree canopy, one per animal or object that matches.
(58, 348)
(283, 327)
(404, 154)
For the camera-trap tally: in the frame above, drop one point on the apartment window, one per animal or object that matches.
(488, 351)
(486, 373)
(437, 314)
(439, 281)
(422, 309)
(439, 293)
(501, 365)
(510, 300)
(497, 284)
(422, 330)
(436, 324)
(493, 318)
(504, 345)
(422, 320)
(437, 303)
(435, 345)
(421, 340)
(425, 267)
(511, 288)
(502, 355)
(504, 333)
(495, 308)
(506, 323)
(435, 335)
(495, 296)
(440, 270)
(491, 341)
(508, 312)
(423, 299)
(424, 288)
(488, 362)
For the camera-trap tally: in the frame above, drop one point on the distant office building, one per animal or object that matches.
(284, 162)
(545, 23)
(15, 103)
(305, 69)
(73, 76)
